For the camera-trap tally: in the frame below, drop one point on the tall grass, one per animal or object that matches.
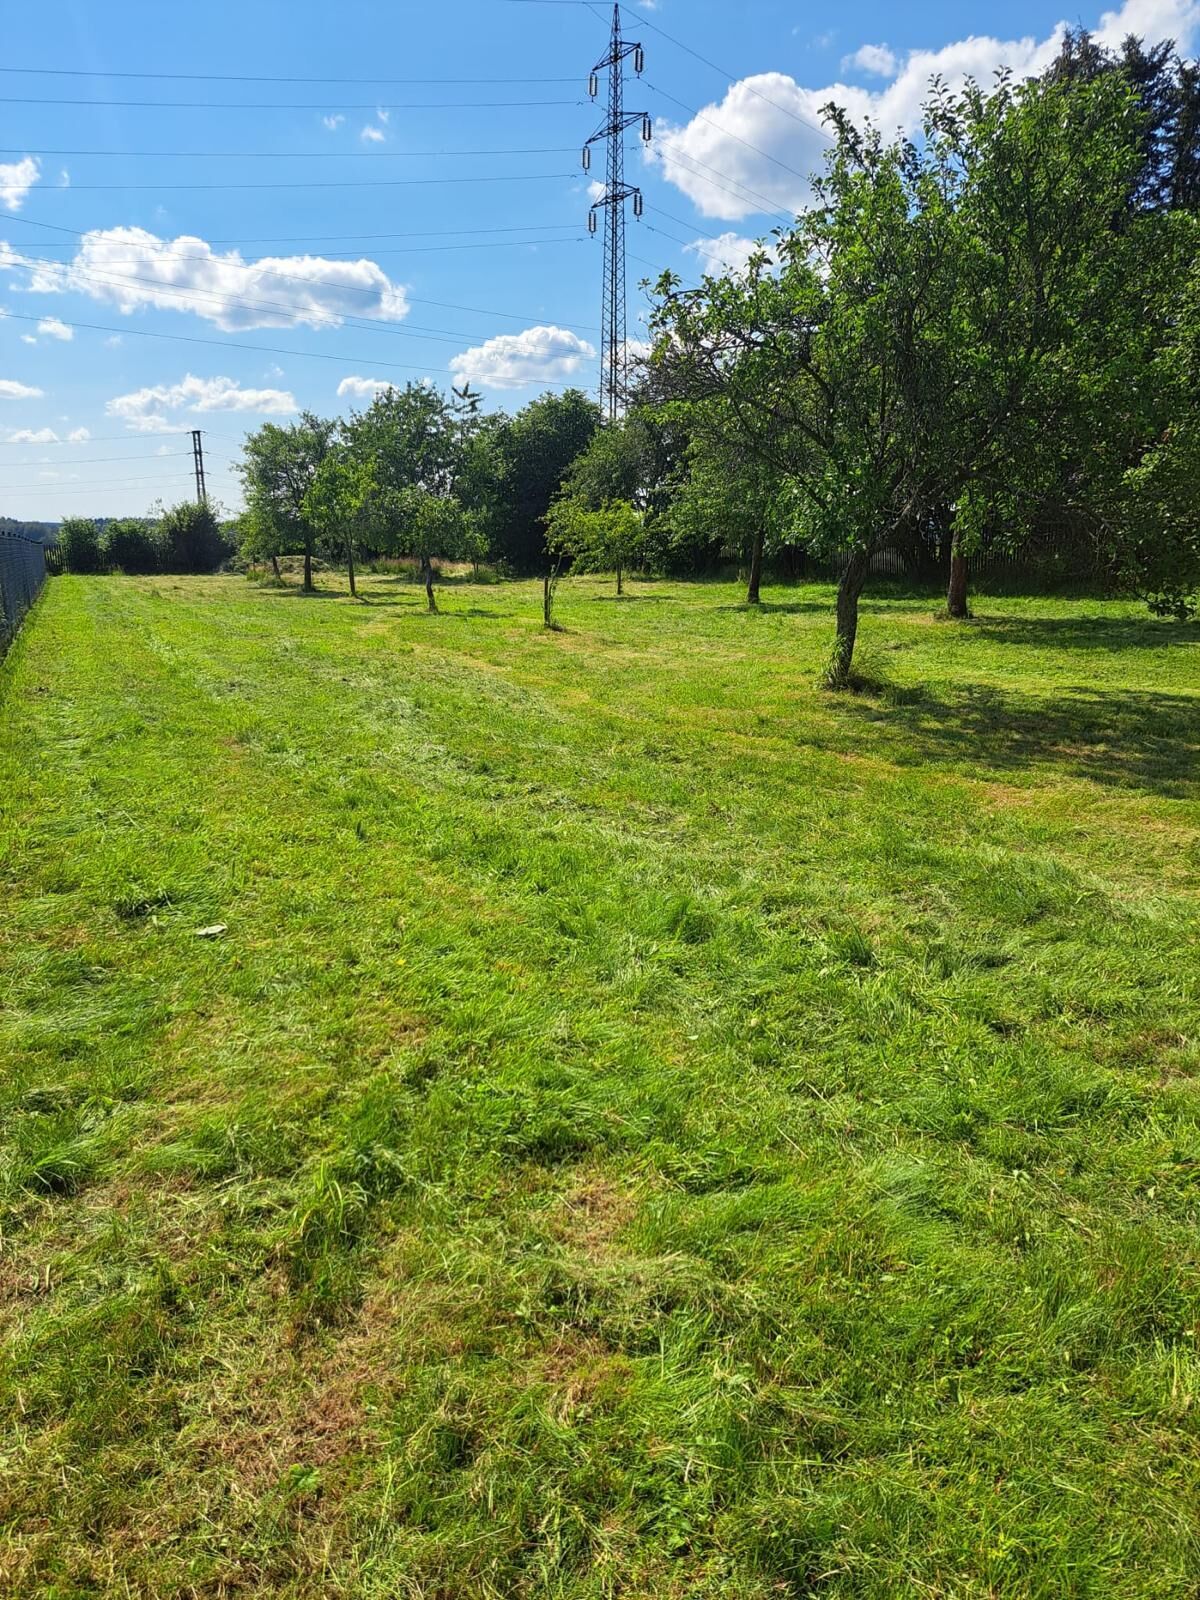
(649, 1127)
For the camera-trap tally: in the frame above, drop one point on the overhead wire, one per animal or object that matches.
(324, 183)
(225, 77)
(327, 283)
(83, 461)
(104, 438)
(311, 238)
(293, 155)
(286, 105)
(266, 349)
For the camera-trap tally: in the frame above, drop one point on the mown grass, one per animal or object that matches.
(649, 1127)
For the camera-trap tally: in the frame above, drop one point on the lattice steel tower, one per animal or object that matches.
(611, 206)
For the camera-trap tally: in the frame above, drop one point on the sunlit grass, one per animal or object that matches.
(649, 1127)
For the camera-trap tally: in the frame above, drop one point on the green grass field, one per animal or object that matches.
(648, 1128)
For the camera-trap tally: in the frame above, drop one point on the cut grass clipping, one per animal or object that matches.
(633, 1123)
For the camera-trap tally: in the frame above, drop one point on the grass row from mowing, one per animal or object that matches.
(648, 1127)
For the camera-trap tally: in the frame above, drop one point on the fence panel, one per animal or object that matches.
(22, 574)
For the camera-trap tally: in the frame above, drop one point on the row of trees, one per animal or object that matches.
(985, 339)
(417, 474)
(182, 538)
(989, 334)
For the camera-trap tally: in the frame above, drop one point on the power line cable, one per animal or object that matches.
(295, 155)
(87, 488)
(331, 256)
(224, 77)
(272, 350)
(248, 266)
(734, 77)
(237, 303)
(287, 105)
(83, 461)
(731, 186)
(311, 238)
(727, 132)
(338, 183)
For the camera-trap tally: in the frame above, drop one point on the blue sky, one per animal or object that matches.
(145, 247)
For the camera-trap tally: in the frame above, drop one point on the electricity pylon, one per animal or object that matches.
(198, 462)
(611, 206)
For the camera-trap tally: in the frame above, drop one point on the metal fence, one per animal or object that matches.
(22, 574)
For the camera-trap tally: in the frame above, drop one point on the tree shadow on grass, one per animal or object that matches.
(1133, 739)
(1088, 632)
(287, 591)
(779, 607)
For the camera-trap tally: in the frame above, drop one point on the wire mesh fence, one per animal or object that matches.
(22, 574)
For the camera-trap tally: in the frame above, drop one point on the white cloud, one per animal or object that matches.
(130, 268)
(33, 436)
(538, 355)
(363, 388)
(595, 189)
(52, 328)
(729, 252)
(114, 341)
(334, 121)
(383, 113)
(10, 389)
(16, 180)
(142, 411)
(78, 435)
(28, 338)
(710, 159)
(875, 59)
(372, 134)
(64, 178)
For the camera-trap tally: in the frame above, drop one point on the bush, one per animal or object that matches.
(79, 545)
(128, 546)
(189, 539)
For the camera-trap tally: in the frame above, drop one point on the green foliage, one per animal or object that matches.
(409, 447)
(436, 527)
(79, 544)
(726, 497)
(277, 469)
(926, 335)
(189, 539)
(649, 1128)
(128, 545)
(612, 466)
(533, 452)
(608, 539)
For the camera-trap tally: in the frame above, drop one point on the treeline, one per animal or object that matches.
(418, 474)
(987, 338)
(184, 538)
(984, 340)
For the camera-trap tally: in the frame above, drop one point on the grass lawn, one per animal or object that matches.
(648, 1128)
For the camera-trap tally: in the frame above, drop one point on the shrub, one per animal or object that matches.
(128, 546)
(79, 545)
(189, 539)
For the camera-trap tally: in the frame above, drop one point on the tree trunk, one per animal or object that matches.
(275, 569)
(308, 583)
(620, 585)
(350, 566)
(756, 562)
(956, 594)
(547, 601)
(427, 579)
(853, 580)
